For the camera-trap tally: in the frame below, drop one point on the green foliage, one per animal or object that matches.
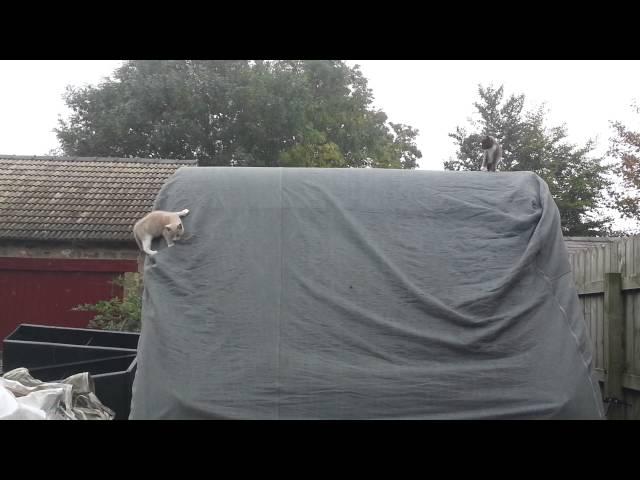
(122, 314)
(576, 180)
(313, 113)
(625, 148)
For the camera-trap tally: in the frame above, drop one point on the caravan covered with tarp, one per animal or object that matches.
(362, 294)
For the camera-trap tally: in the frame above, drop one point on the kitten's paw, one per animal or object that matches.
(152, 252)
(170, 244)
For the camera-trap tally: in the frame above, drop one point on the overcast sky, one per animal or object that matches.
(433, 96)
(437, 96)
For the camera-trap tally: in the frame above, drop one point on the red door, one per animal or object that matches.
(43, 291)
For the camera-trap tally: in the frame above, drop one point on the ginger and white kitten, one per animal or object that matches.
(155, 224)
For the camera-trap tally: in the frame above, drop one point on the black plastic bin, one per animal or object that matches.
(55, 353)
(42, 346)
(113, 378)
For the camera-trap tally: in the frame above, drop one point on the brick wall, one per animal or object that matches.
(97, 251)
(115, 251)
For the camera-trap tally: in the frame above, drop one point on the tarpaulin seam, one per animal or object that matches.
(278, 385)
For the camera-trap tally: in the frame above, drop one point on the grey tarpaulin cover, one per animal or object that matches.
(362, 294)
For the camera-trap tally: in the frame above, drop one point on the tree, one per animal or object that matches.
(625, 148)
(247, 113)
(577, 181)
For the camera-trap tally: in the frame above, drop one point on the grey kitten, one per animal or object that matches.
(492, 155)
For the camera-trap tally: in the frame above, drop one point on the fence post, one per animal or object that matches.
(614, 318)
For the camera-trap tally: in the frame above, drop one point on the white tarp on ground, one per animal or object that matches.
(362, 294)
(23, 397)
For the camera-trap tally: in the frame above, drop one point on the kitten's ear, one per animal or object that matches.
(167, 227)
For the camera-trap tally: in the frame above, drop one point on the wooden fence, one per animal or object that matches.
(608, 282)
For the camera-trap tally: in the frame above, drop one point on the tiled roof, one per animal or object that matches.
(78, 198)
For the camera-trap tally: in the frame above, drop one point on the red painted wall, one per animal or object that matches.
(43, 291)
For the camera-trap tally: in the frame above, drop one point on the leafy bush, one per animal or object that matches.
(123, 314)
